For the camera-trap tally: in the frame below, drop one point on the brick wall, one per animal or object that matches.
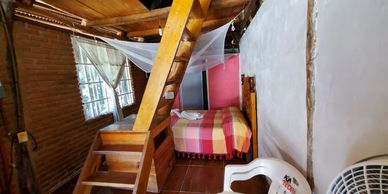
(52, 103)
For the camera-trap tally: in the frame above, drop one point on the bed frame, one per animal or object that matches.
(249, 109)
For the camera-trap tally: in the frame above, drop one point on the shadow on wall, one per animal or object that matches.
(271, 146)
(359, 151)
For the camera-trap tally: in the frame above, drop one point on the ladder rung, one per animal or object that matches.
(171, 82)
(119, 149)
(197, 9)
(111, 179)
(187, 35)
(157, 119)
(165, 102)
(181, 59)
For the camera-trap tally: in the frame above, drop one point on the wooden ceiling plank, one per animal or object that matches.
(76, 8)
(163, 13)
(130, 19)
(221, 4)
(115, 8)
(226, 12)
(69, 24)
(208, 24)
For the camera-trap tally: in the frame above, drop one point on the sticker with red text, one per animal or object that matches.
(289, 185)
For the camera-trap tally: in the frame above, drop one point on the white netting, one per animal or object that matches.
(208, 51)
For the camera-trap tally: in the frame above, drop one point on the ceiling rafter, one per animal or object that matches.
(155, 14)
(208, 24)
(130, 19)
(50, 17)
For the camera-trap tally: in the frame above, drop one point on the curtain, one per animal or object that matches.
(208, 50)
(109, 63)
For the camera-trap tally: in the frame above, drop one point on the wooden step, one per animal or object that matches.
(187, 35)
(122, 137)
(181, 59)
(119, 149)
(171, 82)
(197, 11)
(165, 102)
(111, 179)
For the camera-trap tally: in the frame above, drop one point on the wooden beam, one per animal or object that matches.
(26, 2)
(221, 4)
(156, 14)
(206, 25)
(130, 19)
(68, 24)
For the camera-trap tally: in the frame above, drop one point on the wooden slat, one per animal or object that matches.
(111, 179)
(208, 24)
(197, 11)
(249, 107)
(156, 14)
(145, 166)
(222, 4)
(187, 35)
(92, 9)
(164, 158)
(159, 128)
(164, 108)
(181, 59)
(124, 162)
(76, 8)
(119, 149)
(123, 137)
(90, 166)
(165, 102)
(170, 82)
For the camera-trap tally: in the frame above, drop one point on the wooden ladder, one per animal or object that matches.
(111, 150)
(183, 26)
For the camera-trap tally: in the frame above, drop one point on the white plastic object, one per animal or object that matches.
(285, 179)
(365, 177)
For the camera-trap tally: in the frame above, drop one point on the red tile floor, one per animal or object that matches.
(194, 176)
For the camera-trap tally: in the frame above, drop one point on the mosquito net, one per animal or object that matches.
(208, 51)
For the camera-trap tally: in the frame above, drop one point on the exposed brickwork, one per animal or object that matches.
(52, 103)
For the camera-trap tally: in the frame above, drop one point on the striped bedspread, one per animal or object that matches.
(220, 132)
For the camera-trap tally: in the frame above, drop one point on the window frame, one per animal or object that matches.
(92, 80)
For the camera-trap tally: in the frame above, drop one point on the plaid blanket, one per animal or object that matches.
(220, 132)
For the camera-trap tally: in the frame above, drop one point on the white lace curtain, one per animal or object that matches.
(109, 64)
(208, 51)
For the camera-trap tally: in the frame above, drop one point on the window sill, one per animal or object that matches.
(99, 118)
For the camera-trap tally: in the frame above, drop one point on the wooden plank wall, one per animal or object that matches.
(52, 103)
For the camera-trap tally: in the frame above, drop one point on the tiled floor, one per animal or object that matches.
(198, 176)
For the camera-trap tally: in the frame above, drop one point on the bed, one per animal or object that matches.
(227, 132)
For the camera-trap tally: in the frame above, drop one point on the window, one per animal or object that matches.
(96, 98)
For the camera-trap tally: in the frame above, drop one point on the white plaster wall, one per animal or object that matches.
(273, 49)
(351, 118)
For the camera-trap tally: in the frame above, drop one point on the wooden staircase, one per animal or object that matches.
(141, 159)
